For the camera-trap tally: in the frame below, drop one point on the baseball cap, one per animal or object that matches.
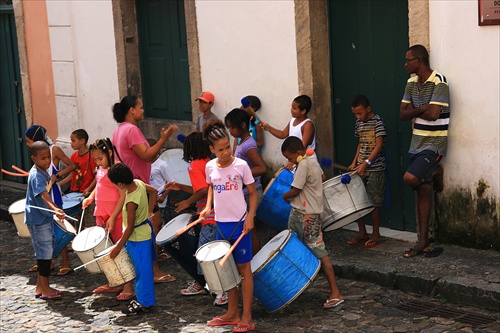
(206, 96)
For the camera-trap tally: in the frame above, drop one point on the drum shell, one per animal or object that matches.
(88, 237)
(16, 210)
(64, 232)
(344, 203)
(273, 210)
(285, 272)
(118, 271)
(183, 248)
(219, 278)
(72, 203)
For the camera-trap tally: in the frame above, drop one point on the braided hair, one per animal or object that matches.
(107, 148)
(214, 130)
(195, 147)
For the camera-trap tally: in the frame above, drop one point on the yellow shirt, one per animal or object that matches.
(140, 198)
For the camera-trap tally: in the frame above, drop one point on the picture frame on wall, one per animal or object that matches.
(489, 12)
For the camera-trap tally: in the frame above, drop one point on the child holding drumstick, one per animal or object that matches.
(226, 175)
(38, 221)
(138, 234)
(306, 198)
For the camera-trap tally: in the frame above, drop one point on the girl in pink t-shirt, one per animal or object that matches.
(226, 175)
(108, 205)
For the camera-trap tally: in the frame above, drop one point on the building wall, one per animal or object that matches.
(84, 62)
(469, 56)
(250, 50)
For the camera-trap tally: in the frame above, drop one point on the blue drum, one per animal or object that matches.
(64, 233)
(72, 203)
(282, 270)
(273, 210)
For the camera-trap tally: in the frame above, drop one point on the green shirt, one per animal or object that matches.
(140, 198)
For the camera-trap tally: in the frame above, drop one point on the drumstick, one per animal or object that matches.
(88, 263)
(81, 220)
(53, 211)
(255, 115)
(189, 226)
(223, 261)
(20, 170)
(107, 237)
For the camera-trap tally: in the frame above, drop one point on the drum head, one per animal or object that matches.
(176, 165)
(88, 239)
(17, 207)
(65, 225)
(168, 232)
(212, 250)
(71, 200)
(268, 251)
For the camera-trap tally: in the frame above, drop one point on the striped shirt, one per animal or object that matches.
(367, 132)
(429, 135)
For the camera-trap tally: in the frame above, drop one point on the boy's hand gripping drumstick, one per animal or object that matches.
(223, 261)
(189, 226)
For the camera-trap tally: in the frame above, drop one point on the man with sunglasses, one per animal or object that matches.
(426, 101)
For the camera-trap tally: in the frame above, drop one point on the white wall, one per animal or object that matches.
(248, 48)
(469, 56)
(85, 68)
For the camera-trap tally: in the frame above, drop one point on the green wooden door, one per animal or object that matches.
(12, 143)
(368, 44)
(164, 59)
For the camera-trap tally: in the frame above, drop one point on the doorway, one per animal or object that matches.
(163, 53)
(13, 125)
(368, 41)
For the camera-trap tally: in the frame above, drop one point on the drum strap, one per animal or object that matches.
(236, 227)
(153, 236)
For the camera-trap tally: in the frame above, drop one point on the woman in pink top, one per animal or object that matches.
(135, 151)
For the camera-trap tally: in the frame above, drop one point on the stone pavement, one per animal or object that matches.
(384, 292)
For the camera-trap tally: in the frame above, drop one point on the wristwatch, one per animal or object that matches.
(368, 162)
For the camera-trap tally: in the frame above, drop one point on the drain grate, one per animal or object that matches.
(433, 310)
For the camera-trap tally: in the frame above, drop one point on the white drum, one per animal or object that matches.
(16, 210)
(90, 242)
(219, 278)
(344, 203)
(176, 165)
(118, 271)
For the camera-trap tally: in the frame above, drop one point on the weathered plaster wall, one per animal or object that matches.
(469, 56)
(250, 50)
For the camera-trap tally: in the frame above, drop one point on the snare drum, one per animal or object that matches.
(282, 270)
(90, 242)
(16, 210)
(72, 203)
(64, 233)
(219, 278)
(344, 203)
(273, 210)
(182, 248)
(118, 271)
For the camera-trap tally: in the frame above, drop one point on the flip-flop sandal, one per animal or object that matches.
(125, 296)
(356, 241)
(33, 268)
(332, 302)
(65, 271)
(371, 243)
(242, 328)
(414, 253)
(135, 308)
(218, 321)
(165, 278)
(51, 297)
(107, 289)
(434, 252)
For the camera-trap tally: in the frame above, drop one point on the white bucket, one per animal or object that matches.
(118, 271)
(16, 210)
(219, 279)
(88, 243)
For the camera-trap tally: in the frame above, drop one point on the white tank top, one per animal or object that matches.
(297, 131)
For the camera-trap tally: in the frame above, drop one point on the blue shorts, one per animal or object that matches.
(243, 251)
(423, 164)
(42, 236)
